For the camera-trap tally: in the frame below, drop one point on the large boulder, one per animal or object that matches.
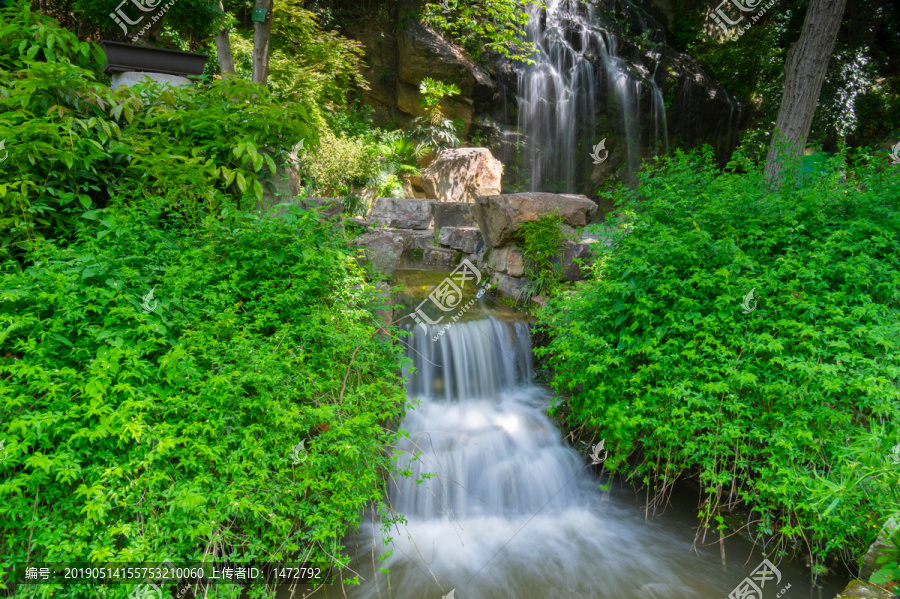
(462, 174)
(401, 213)
(500, 216)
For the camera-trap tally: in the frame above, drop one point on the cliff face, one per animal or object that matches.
(603, 73)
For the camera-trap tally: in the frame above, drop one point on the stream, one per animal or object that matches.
(513, 511)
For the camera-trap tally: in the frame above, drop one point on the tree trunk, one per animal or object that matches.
(804, 72)
(223, 48)
(261, 33)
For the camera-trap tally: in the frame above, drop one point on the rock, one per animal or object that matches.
(500, 216)
(465, 239)
(863, 590)
(515, 262)
(496, 259)
(570, 270)
(435, 256)
(421, 240)
(422, 52)
(453, 214)
(401, 213)
(381, 249)
(880, 547)
(539, 300)
(509, 286)
(462, 174)
(507, 259)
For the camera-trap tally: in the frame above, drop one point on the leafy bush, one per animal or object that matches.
(496, 25)
(339, 163)
(306, 64)
(744, 336)
(434, 130)
(160, 429)
(541, 241)
(75, 145)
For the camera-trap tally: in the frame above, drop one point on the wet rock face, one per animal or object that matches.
(462, 174)
(402, 213)
(500, 216)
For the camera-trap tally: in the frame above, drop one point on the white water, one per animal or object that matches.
(580, 76)
(511, 511)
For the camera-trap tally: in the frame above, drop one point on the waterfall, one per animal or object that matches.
(498, 506)
(559, 95)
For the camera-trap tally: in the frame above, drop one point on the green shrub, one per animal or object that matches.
(541, 242)
(74, 145)
(339, 163)
(434, 130)
(745, 337)
(143, 429)
(492, 25)
(306, 64)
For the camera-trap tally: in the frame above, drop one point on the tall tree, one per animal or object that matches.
(223, 45)
(804, 72)
(261, 33)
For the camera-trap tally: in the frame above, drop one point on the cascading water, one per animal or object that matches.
(509, 510)
(558, 95)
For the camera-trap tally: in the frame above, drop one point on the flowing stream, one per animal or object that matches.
(510, 510)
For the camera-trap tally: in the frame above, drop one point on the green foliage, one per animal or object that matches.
(434, 130)
(143, 430)
(496, 25)
(76, 145)
(306, 64)
(761, 397)
(185, 24)
(338, 164)
(401, 154)
(541, 242)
